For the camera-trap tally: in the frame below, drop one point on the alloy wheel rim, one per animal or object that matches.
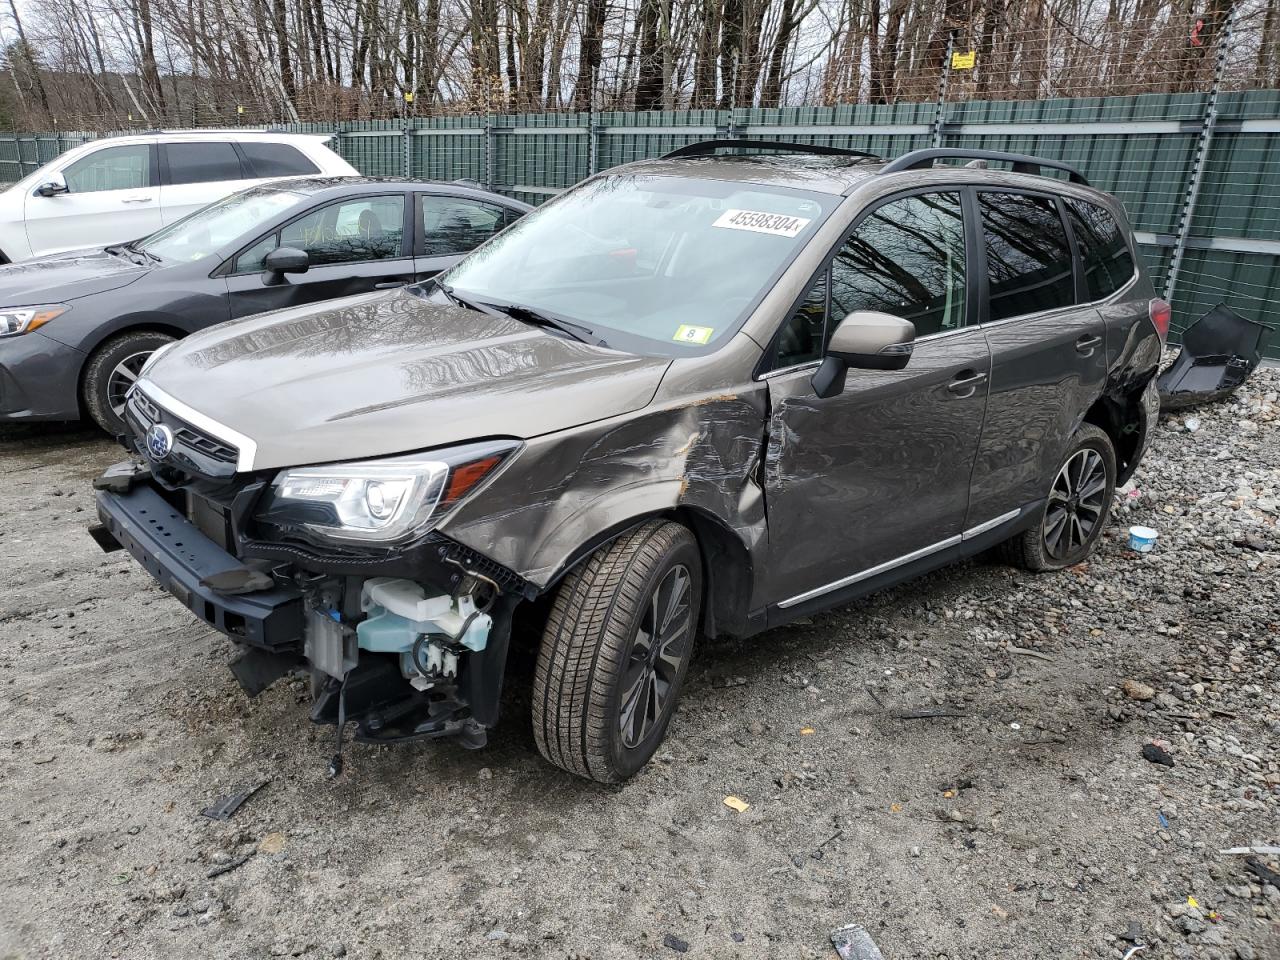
(123, 376)
(1076, 504)
(657, 652)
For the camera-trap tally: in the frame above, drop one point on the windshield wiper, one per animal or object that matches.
(131, 253)
(134, 245)
(579, 332)
(516, 311)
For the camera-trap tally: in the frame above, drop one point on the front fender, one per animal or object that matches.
(568, 492)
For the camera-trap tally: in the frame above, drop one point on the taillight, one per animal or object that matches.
(1161, 314)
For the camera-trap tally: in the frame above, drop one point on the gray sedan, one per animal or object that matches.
(76, 328)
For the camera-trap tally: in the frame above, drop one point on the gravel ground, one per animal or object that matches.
(1020, 821)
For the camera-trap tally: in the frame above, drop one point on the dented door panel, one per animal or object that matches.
(875, 473)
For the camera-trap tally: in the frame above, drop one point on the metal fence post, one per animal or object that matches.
(1202, 155)
(593, 127)
(406, 149)
(490, 141)
(941, 108)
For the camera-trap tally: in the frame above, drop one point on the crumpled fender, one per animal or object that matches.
(570, 491)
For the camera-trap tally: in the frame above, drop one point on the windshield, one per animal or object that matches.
(213, 227)
(649, 263)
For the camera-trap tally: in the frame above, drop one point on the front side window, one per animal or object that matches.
(1108, 264)
(202, 162)
(453, 225)
(353, 231)
(210, 228)
(1028, 257)
(112, 168)
(654, 264)
(906, 259)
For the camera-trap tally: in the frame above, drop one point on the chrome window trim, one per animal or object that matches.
(246, 448)
(900, 561)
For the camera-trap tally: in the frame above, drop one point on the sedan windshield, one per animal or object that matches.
(213, 227)
(648, 263)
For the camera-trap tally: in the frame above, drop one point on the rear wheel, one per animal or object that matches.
(1077, 507)
(112, 370)
(615, 650)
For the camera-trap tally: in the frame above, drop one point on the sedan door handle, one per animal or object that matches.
(1086, 344)
(966, 382)
(390, 284)
(137, 200)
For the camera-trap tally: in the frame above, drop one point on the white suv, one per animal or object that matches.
(123, 188)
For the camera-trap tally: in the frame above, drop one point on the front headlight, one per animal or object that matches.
(382, 502)
(16, 320)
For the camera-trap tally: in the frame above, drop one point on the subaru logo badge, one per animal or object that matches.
(159, 441)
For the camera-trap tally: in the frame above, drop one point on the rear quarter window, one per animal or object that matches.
(1108, 263)
(277, 160)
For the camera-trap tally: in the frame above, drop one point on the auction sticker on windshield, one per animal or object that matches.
(758, 221)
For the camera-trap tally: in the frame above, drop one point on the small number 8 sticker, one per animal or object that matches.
(687, 334)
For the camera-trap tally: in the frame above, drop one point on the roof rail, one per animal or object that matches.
(708, 147)
(1022, 163)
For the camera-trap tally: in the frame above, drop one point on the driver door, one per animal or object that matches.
(355, 246)
(878, 475)
(112, 196)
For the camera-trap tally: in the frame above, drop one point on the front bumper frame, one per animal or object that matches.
(179, 557)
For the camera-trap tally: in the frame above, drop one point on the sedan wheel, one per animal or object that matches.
(122, 377)
(112, 369)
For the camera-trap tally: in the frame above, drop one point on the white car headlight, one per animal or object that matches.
(16, 320)
(386, 502)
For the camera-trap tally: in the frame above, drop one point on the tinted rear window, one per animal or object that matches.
(1028, 257)
(202, 162)
(1108, 264)
(277, 160)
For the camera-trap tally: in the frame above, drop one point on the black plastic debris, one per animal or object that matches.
(854, 943)
(226, 806)
(1219, 351)
(672, 942)
(1154, 753)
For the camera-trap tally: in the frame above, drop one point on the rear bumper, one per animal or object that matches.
(39, 379)
(179, 556)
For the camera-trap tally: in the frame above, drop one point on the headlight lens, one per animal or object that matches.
(16, 320)
(379, 501)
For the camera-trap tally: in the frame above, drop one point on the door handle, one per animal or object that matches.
(389, 284)
(136, 200)
(966, 382)
(1086, 344)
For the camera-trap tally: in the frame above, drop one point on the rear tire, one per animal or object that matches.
(615, 650)
(111, 370)
(1077, 509)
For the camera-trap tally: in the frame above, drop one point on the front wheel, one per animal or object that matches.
(110, 373)
(615, 650)
(1076, 510)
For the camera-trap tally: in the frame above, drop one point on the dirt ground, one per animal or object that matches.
(1023, 822)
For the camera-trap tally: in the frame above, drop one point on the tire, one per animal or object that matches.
(594, 667)
(1069, 507)
(107, 375)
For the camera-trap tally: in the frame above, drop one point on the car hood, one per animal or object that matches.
(65, 276)
(387, 373)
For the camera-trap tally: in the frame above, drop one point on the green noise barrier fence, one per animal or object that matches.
(1147, 150)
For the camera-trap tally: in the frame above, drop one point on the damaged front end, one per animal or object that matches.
(337, 571)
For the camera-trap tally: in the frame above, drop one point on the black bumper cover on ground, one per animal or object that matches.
(179, 556)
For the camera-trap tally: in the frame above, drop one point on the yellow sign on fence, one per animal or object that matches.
(963, 61)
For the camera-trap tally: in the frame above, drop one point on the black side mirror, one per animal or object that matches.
(866, 340)
(52, 188)
(284, 260)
